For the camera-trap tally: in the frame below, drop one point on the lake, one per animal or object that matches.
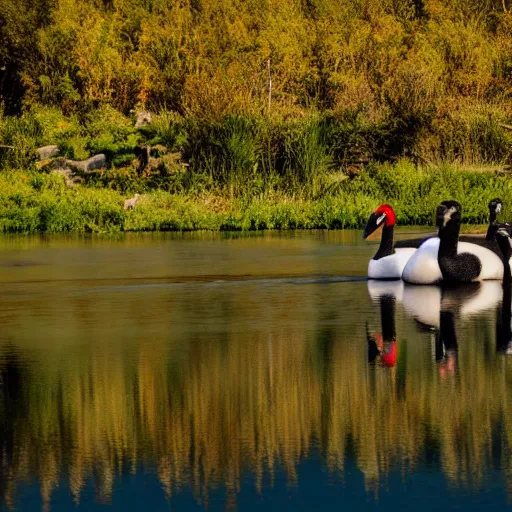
(245, 372)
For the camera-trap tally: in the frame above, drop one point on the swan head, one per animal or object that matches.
(495, 205)
(384, 215)
(448, 212)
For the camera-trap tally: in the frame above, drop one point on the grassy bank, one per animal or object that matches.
(32, 202)
(238, 173)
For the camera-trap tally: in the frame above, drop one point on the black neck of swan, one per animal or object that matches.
(493, 228)
(503, 331)
(505, 250)
(506, 274)
(491, 231)
(449, 239)
(387, 245)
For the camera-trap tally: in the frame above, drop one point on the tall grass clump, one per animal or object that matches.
(472, 136)
(166, 128)
(33, 202)
(109, 132)
(228, 150)
(36, 127)
(23, 134)
(415, 192)
(307, 155)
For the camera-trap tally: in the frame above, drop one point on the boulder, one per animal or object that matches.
(142, 118)
(51, 164)
(95, 162)
(47, 152)
(68, 176)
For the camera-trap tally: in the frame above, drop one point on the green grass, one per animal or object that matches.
(32, 202)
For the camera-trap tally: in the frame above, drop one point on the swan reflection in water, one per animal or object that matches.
(383, 344)
(503, 326)
(435, 309)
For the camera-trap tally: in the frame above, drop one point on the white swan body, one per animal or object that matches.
(423, 267)
(390, 267)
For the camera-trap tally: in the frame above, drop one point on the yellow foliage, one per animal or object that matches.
(212, 57)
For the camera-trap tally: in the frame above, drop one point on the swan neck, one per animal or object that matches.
(387, 243)
(449, 239)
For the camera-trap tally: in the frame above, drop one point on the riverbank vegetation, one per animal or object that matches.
(41, 202)
(264, 115)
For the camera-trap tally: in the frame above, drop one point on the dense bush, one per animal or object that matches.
(428, 79)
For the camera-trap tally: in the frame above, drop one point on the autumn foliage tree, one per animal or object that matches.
(429, 74)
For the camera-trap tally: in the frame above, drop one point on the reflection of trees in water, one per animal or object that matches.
(11, 375)
(254, 402)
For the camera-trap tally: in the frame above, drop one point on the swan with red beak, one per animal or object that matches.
(388, 262)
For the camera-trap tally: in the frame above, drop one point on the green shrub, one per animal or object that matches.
(166, 128)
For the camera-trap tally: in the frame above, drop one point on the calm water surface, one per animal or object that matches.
(262, 372)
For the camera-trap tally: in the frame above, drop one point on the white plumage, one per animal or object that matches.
(388, 263)
(390, 267)
(423, 267)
